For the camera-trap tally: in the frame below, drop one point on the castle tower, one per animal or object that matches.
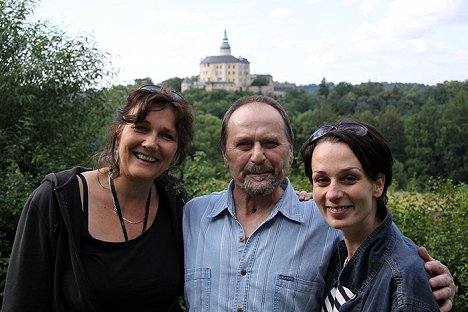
(224, 71)
(227, 72)
(225, 48)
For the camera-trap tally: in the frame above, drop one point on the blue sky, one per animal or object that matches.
(423, 41)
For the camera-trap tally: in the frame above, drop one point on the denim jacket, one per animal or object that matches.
(385, 273)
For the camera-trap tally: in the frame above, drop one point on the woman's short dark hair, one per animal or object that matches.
(255, 99)
(136, 108)
(371, 149)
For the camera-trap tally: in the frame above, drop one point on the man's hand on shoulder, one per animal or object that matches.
(442, 283)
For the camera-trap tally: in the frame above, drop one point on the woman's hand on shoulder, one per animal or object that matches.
(304, 196)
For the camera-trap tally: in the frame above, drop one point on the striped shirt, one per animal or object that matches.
(281, 267)
(337, 297)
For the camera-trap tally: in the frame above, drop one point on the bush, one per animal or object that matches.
(16, 187)
(437, 221)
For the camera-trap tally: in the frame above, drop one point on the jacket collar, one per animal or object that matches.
(368, 258)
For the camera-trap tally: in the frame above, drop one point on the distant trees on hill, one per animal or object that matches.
(425, 125)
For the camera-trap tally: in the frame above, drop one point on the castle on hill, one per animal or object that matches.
(224, 71)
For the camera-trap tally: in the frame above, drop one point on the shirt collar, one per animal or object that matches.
(288, 205)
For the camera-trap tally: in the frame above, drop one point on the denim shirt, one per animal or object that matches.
(385, 273)
(281, 267)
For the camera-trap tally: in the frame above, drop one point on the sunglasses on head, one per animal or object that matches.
(176, 96)
(352, 127)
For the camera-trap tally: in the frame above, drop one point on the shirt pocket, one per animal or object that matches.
(296, 294)
(197, 289)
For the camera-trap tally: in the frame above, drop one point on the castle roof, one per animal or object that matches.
(216, 59)
(225, 44)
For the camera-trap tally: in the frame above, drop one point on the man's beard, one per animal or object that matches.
(260, 188)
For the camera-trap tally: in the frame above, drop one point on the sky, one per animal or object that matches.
(301, 42)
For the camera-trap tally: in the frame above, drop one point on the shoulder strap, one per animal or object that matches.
(68, 229)
(177, 196)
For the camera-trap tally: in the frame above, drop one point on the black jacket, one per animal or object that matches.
(45, 265)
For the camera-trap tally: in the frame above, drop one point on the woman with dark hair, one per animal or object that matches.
(375, 267)
(110, 239)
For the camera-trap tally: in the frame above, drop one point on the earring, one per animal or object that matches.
(116, 155)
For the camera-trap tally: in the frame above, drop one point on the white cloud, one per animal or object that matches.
(368, 5)
(462, 55)
(396, 65)
(418, 45)
(413, 19)
(365, 38)
(281, 13)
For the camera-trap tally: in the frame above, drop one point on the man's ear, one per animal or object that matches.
(291, 156)
(226, 162)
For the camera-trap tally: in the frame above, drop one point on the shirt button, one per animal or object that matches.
(239, 309)
(243, 272)
(241, 239)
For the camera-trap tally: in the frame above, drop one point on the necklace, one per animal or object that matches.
(118, 211)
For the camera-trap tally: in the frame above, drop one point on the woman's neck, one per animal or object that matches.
(131, 192)
(355, 236)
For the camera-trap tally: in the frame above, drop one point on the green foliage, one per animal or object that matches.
(208, 130)
(142, 81)
(392, 126)
(51, 117)
(305, 123)
(425, 126)
(453, 133)
(215, 102)
(437, 220)
(173, 83)
(202, 176)
(296, 101)
(260, 81)
(324, 88)
(15, 186)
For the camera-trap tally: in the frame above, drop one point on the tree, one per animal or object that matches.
(208, 129)
(421, 132)
(296, 101)
(214, 102)
(305, 123)
(346, 104)
(51, 117)
(370, 88)
(47, 79)
(143, 81)
(390, 122)
(324, 89)
(173, 83)
(452, 138)
(342, 88)
(260, 80)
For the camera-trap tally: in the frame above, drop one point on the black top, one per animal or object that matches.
(131, 276)
(46, 272)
